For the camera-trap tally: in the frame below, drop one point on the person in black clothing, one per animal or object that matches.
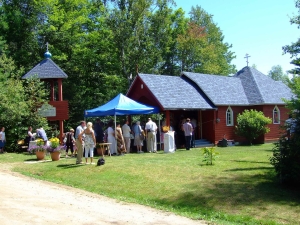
(70, 140)
(99, 131)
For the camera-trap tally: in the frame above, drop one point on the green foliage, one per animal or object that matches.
(277, 74)
(286, 160)
(99, 44)
(286, 153)
(294, 48)
(36, 95)
(13, 107)
(18, 27)
(209, 154)
(251, 124)
(214, 56)
(19, 102)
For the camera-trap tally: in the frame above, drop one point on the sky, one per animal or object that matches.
(259, 28)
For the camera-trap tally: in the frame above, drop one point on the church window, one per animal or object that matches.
(276, 115)
(229, 117)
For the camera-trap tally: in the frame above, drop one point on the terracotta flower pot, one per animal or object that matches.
(55, 156)
(40, 155)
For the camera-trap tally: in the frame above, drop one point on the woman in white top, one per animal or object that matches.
(126, 134)
(111, 138)
(89, 141)
(30, 135)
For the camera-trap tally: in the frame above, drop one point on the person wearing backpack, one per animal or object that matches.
(69, 141)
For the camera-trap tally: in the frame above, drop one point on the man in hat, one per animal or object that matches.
(151, 129)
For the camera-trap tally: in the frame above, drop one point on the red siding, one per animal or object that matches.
(275, 129)
(208, 125)
(141, 93)
(62, 110)
(221, 129)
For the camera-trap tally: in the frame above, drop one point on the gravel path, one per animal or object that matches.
(24, 200)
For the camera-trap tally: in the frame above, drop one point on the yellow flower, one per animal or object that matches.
(39, 142)
(54, 142)
(165, 128)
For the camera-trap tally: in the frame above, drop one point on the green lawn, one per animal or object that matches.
(240, 188)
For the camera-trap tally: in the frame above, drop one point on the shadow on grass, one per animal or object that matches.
(29, 160)
(269, 150)
(249, 169)
(69, 166)
(242, 161)
(239, 191)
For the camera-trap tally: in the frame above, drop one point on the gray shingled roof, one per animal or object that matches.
(174, 93)
(220, 90)
(46, 69)
(247, 87)
(261, 89)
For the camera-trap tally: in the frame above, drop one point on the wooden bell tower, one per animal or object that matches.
(48, 71)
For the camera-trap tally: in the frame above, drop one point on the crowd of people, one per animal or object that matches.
(123, 139)
(120, 138)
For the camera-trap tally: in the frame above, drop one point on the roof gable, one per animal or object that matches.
(46, 69)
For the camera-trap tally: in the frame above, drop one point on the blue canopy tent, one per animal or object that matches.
(121, 105)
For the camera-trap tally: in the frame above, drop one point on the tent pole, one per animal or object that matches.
(116, 146)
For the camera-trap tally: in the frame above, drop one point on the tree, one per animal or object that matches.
(286, 153)
(191, 47)
(216, 56)
(254, 66)
(251, 124)
(276, 73)
(19, 102)
(166, 26)
(18, 26)
(82, 45)
(99, 44)
(294, 48)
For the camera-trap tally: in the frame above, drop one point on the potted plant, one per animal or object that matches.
(39, 149)
(55, 149)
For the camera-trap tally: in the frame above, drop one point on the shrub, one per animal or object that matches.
(251, 124)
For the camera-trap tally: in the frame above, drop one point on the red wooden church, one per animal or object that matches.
(214, 101)
(48, 71)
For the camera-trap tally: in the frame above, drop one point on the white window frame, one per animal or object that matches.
(229, 117)
(276, 109)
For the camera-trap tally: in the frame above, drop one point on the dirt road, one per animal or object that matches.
(25, 200)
